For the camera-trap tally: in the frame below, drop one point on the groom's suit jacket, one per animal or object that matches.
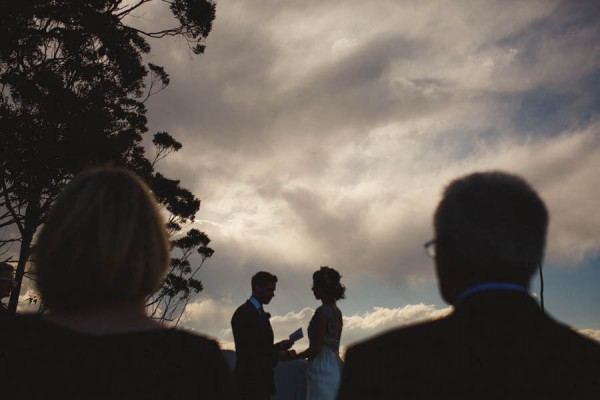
(256, 355)
(495, 345)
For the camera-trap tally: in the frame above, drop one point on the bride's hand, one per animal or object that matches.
(287, 355)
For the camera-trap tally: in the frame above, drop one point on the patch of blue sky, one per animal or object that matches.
(591, 85)
(545, 112)
(549, 112)
(570, 16)
(571, 294)
(463, 143)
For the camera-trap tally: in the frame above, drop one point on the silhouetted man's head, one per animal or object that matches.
(263, 286)
(489, 227)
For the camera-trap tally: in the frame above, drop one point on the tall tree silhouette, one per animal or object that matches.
(73, 82)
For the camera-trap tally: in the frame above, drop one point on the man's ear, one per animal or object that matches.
(449, 270)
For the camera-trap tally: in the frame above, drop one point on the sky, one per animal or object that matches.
(324, 132)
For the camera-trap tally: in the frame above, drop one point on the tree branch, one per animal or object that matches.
(10, 208)
(158, 34)
(188, 299)
(127, 11)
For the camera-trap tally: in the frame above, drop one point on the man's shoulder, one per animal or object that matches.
(243, 310)
(565, 339)
(402, 352)
(403, 340)
(245, 306)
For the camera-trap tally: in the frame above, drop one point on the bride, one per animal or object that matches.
(324, 367)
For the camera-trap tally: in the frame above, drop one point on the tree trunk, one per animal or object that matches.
(31, 224)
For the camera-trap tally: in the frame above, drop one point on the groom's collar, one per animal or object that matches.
(255, 302)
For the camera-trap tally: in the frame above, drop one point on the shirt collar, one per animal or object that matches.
(255, 302)
(489, 286)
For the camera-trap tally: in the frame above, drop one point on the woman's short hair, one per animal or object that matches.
(328, 281)
(103, 242)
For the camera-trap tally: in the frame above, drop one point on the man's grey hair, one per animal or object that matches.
(495, 221)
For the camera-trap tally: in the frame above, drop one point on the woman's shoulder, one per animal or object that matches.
(27, 326)
(173, 341)
(192, 338)
(327, 310)
(172, 357)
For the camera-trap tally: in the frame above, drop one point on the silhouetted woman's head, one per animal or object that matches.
(327, 282)
(104, 242)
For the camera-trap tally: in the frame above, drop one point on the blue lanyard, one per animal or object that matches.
(489, 286)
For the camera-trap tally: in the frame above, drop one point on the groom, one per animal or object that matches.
(256, 354)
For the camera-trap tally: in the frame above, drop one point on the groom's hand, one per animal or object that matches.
(285, 345)
(287, 355)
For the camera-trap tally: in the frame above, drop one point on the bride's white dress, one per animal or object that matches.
(324, 372)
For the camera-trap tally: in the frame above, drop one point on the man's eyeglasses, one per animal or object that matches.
(430, 248)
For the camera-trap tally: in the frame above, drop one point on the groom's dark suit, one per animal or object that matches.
(496, 345)
(255, 351)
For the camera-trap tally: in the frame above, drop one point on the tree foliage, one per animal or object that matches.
(73, 83)
(170, 301)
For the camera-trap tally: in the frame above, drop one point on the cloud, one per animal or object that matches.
(209, 317)
(314, 137)
(381, 319)
(323, 133)
(591, 333)
(381, 216)
(29, 298)
(356, 327)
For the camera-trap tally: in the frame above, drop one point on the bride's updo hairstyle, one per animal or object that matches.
(103, 242)
(328, 281)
